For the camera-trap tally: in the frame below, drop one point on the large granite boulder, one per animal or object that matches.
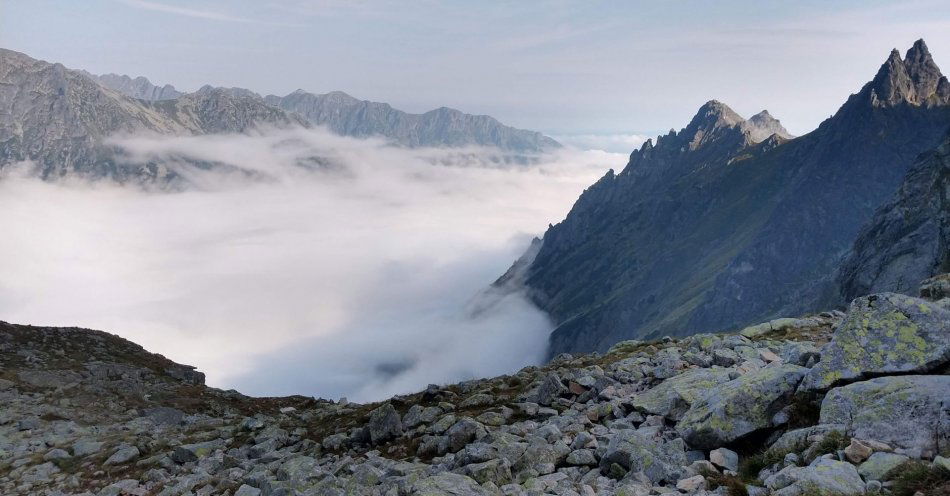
(448, 484)
(674, 396)
(907, 412)
(886, 333)
(739, 407)
(824, 476)
(384, 424)
(637, 453)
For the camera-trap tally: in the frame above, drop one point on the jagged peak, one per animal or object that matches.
(913, 79)
(711, 121)
(714, 113)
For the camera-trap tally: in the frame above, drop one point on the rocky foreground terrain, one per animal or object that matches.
(842, 403)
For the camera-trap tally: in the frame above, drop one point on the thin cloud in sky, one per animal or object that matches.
(184, 11)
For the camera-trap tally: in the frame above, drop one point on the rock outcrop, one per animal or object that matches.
(909, 237)
(85, 412)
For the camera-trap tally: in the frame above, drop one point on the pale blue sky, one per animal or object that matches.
(561, 67)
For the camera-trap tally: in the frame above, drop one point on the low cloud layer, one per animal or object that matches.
(354, 274)
(615, 143)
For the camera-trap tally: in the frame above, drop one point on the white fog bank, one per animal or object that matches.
(354, 276)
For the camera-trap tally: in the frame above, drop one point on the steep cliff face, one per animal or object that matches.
(58, 119)
(349, 116)
(697, 228)
(909, 237)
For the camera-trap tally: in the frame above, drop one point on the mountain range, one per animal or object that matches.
(444, 126)
(698, 228)
(59, 119)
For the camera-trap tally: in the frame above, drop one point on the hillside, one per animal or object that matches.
(781, 408)
(699, 228)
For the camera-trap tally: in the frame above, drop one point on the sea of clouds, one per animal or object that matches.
(301, 262)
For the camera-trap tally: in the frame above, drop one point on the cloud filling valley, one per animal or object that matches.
(303, 263)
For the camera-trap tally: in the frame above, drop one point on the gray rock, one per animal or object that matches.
(300, 469)
(123, 454)
(739, 407)
(550, 390)
(251, 424)
(55, 454)
(448, 484)
(825, 476)
(164, 415)
(909, 412)
(384, 424)
(494, 471)
(879, 464)
(583, 457)
(418, 414)
(122, 487)
(86, 447)
(725, 458)
(885, 333)
(246, 490)
(28, 424)
(673, 397)
(658, 460)
(463, 432)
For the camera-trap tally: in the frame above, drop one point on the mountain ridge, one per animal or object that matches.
(444, 126)
(691, 232)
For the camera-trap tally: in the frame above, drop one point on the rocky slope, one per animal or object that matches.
(348, 116)
(58, 119)
(695, 231)
(140, 88)
(909, 237)
(836, 403)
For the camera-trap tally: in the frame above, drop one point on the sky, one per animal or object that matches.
(566, 68)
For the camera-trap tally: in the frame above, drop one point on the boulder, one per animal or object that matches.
(448, 483)
(673, 397)
(879, 464)
(463, 432)
(692, 484)
(635, 452)
(551, 389)
(494, 471)
(246, 490)
(857, 451)
(824, 476)
(907, 412)
(384, 424)
(883, 334)
(85, 447)
(739, 407)
(123, 454)
(725, 458)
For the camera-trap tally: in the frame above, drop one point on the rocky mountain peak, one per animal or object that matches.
(710, 123)
(762, 125)
(914, 79)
